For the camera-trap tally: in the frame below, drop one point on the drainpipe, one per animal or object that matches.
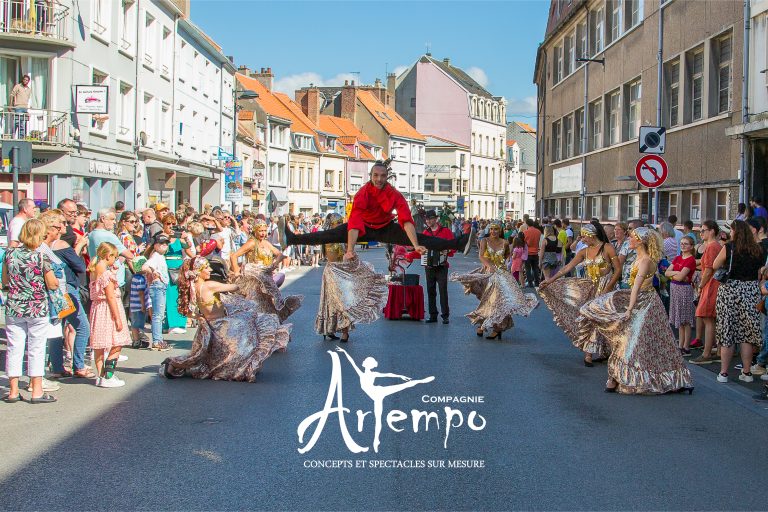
(653, 213)
(136, 117)
(743, 171)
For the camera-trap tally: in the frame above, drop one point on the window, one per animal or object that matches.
(633, 93)
(127, 36)
(724, 75)
(272, 172)
(581, 39)
(633, 206)
(614, 20)
(101, 11)
(556, 208)
(596, 125)
(444, 185)
(487, 146)
(281, 173)
(696, 206)
(614, 117)
(125, 124)
(721, 206)
(413, 102)
(557, 65)
(556, 141)
(100, 122)
(632, 13)
(149, 119)
(581, 208)
(674, 197)
(150, 42)
(165, 127)
(568, 207)
(672, 71)
(166, 57)
(597, 30)
(613, 207)
(594, 210)
(328, 178)
(696, 67)
(568, 136)
(578, 135)
(568, 54)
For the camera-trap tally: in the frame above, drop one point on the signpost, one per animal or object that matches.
(651, 171)
(233, 182)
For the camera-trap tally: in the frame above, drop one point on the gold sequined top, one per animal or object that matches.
(214, 302)
(647, 280)
(597, 267)
(334, 252)
(494, 256)
(258, 255)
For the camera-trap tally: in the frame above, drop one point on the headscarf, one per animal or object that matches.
(332, 220)
(588, 230)
(652, 241)
(190, 271)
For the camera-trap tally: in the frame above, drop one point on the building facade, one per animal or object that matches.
(439, 98)
(586, 166)
(446, 180)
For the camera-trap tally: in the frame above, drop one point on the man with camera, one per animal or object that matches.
(436, 268)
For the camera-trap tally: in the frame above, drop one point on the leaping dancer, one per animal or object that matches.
(372, 219)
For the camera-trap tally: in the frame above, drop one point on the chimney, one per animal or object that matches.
(265, 77)
(308, 99)
(447, 61)
(243, 69)
(348, 101)
(379, 91)
(391, 78)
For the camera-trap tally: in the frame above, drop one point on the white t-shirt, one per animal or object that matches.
(225, 235)
(157, 263)
(14, 228)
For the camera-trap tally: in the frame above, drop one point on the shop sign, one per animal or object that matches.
(233, 181)
(91, 99)
(105, 168)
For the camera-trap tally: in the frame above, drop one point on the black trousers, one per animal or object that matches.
(392, 233)
(532, 269)
(437, 277)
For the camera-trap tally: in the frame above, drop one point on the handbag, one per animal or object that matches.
(61, 304)
(723, 275)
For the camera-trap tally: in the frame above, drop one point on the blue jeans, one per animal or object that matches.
(56, 354)
(157, 293)
(20, 121)
(79, 321)
(762, 357)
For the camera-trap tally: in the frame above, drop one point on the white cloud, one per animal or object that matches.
(524, 106)
(478, 75)
(399, 69)
(291, 83)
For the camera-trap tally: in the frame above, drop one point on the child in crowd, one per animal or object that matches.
(518, 251)
(156, 269)
(140, 304)
(109, 327)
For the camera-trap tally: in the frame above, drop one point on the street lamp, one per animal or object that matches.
(460, 199)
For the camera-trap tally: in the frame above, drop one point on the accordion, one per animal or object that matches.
(434, 258)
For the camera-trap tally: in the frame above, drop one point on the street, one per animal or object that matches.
(552, 439)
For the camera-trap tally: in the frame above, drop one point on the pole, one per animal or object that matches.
(15, 171)
(744, 106)
(584, 146)
(653, 208)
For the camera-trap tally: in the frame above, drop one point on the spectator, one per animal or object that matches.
(688, 231)
(157, 269)
(519, 250)
(567, 245)
(742, 212)
(532, 240)
(181, 245)
(672, 219)
(682, 312)
(109, 327)
(104, 232)
(758, 208)
(119, 208)
(671, 247)
(550, 250)
(610, 232)
(706, 309)
(27, 275)
(125, 232)
(737, 322)
(26, 212)
(19, 102)
(151, 226)
(140, 305)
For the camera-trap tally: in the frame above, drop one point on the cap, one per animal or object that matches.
(161, 238)
(160, 206)
(430, 214)
(84, 205)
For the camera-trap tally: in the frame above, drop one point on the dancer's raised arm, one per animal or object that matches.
(351, 361)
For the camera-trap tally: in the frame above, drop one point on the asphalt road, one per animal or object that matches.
(552, 439)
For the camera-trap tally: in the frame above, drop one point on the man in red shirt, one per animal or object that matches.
(436, 272)
(532, 240)
(371, 218)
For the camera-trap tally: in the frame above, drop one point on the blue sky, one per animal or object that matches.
(326, 42)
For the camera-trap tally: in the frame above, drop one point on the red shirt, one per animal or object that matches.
(442, 232)
(679, 263)
(373, 208)
(532, 240)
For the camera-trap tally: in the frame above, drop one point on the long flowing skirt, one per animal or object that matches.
(257, 284)
(565, 297)
(233, 347)
(644, 356)
(500, 298)
(351, 293)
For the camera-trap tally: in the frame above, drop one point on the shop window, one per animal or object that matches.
(81, 189)
(696, 206)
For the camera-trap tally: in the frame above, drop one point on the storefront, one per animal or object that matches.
(175, 184)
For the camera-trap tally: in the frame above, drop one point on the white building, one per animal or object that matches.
(521, 185)
(446, 178)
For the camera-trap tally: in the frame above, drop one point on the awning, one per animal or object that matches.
(281, 194)
(190, 171)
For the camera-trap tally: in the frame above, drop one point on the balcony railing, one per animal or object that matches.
(36, 126)
(43, 18)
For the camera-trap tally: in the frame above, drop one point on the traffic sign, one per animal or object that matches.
(652, 140)
(651, 171)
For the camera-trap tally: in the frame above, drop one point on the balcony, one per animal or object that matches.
(44, 127)
(43, 21)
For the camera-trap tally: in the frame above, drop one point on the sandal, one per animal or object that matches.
(44, 399)
(85, 373)
(12, 400)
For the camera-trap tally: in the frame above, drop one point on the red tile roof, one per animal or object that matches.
(266, 99)
(387, 117)
(526, 127)
(301, 123)
(245, 115)
(342, 127)
(511, 142)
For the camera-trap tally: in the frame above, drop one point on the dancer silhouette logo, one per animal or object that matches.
(453, 418)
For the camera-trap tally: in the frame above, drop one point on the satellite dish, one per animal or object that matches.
(143, 138)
